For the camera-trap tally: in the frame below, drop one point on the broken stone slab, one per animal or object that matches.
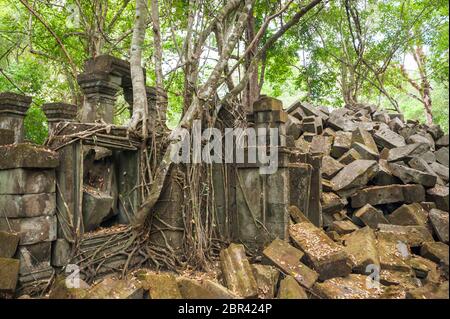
(419, 138)
(441, 171)
(396, 124)
(312, 110)
(413, 236)
(425, 269)
(27, 181)
(343, 227)
(341, 144)
(356, 174)
(61, 252)
(330, 167)
(296, 214)
(384, 175)
(28, 205)
(34, 257)
(385, 137)
(9, 274)
(293, 127)
(8, 244)
(290, 289)
(442, 156)
(112, 288)
(409, 215)
(365, 152)
(341, 123)
(321, 144)
(266, 278)
(326, 257)
(365, 138)
(428, 205)
(237, 272)
(61, 290)
(394, 253)
(370, 216)
(429, 291)
(361, 246)
(96, 207)
(302, 144)
(32, 230)
(354, 286)
(350, 156)
(428, 157)
(439, 221)
(442, 141)
(287, 258)
(435, 251)
(332, 203)
(409, 175)
(407, 152)
(312, 125)
(205, 289)
(420, 164)
(377, 195)
(329, 132)
(439, 194)
(404, 279)
(160, 285)
(26, 155)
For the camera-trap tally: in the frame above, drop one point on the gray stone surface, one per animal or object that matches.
(27, 181)
(409, 175)
(8, 244)
(440, 195)
(32, 205)
(96, 206)
(356, 174)
(439, 220)
(442, 155)
(407, 152)
(371, 216)
(32, 230)
(387, 138)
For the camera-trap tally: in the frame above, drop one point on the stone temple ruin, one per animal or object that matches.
(358, 191)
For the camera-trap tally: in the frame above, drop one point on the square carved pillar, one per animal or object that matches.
(59, 112)
(13, 108)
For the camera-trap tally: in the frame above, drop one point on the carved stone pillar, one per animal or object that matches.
(59, 112)
(13, 108)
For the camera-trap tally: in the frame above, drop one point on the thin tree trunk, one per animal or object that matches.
(140, 110)
(158, 55)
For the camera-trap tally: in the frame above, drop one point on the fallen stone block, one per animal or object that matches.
(34, 257)
(302, 144)
(442, 141)
(341, 123)
(370, 216)
(330, 167)
(388, 138)
(365, 152)
(356, 174)
(442, 156)
(428, 205)
(440, 170)
(363, 137)
(27, 155)
(27, 181)
(111, 288)
(267, 279)
(439, 194)
(62, 290)
(394, 253)
(396, 124)
(32, 230)
(96, 207)
(9, 274)
(354, 286)
(377, 195)
(403, 279)
(287, 258)
(407, 152)
(237, 271)
(384, 175)
(8, 244)
(419, 138)
(409, 215)
(206, 289)
(361, 246)
(350, 156)
(413, 236)
(425, 269)
(293, 127)
(429, 291)
(436, 252)
(420, 164)
(321, 145)
(329, 132)
(32, 205)
(341, 144)
(61, 252)
(312, 125)
(409, 175)
(326, 257)
(296, 215)
(429, 157)
(290, 289)
(160, 285)
(439, 220)
(332, 203)
(343, 227)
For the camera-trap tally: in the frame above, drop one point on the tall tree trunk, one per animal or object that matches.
(251, 91)
(158, 55)
(140, 110)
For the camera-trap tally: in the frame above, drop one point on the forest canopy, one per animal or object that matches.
(393, 53)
